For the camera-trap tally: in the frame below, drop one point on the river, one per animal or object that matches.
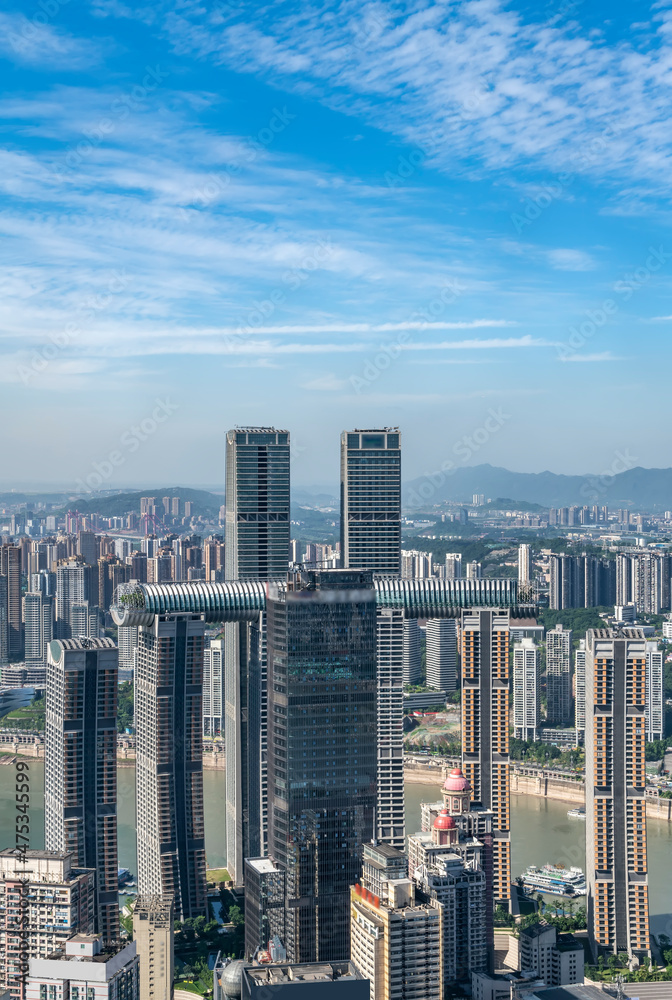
(541, 831)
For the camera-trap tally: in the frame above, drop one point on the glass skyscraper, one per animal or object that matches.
(371, 500)
(321, 751)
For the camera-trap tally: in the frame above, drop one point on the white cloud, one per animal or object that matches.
(325, 383)
(570, 260)
(25, 40)
(587, 358)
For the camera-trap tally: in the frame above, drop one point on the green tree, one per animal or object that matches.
(125, 708)
(236, 916)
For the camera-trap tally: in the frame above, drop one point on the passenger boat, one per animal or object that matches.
(556, 880)
(576, 813)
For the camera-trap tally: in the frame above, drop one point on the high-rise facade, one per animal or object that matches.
(580, 691)
(559, 676)
(441, 655)
(72, 588)
(169, 762)
(583, 581)
(655, 693)
(484, 638)
(35, 885)
(10, 567)
(213, 688)
(412, 671)
(38, 627)
(643, 579)
(80, 769)
(153, 936)
(4, 627)
(322, 764)
(616, 862)
(390, 818)
(526, 690)
(127, 641)
(524, 563)
(371, 500)
(453, 570)
(257, 548)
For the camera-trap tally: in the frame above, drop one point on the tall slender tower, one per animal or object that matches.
(616, 866)
(559, 675)
(371, 500)
(580, 691)
(10, 567)
(485, 731)
(80, 769)
(321, 755)
(390, 818)
(169, 763)
(526, 690)
(38, 625)
(257, 548)
(655, 693)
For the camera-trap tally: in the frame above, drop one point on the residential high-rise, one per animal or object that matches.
(655, 693)
(80, 765)
(10, 567)
(453, 569)
(616, 865)
(153, 936)
(371, 500)
(72, 588)
(86, 967)
(256, 548)
(474, 570)
(412, 652)
(169, 762)
(127, 641)
(485, 728)
(87, 547)
(46, 876)
(84, 621)
(213, 688)
(580, 691)
(643, 579)
(38, 627)
(583, 581)
(322, 763)
(526, 690)
(390, 817)
(397, 941)
(524, 563)
(441, 656)
(559, 676)
(4, 626)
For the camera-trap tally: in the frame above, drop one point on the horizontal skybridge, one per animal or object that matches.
(139, 603)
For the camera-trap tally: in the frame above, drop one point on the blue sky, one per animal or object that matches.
(334, 215)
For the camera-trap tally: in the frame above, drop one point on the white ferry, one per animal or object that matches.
(576, 813)
(556, 880)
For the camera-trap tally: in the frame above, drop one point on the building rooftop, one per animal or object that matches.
(262, 865)
(578, 991)
(312, 972)
(84, 643)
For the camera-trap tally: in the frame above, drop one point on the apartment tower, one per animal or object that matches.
(526, 690)
(169, 762)
(80, 765)
(616, 864)
(559, 676)
(154, 940)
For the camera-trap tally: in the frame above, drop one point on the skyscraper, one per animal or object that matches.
(655, 693)
(38, 626)
(169, 763)
(616, 865)
(485, 728)
(412, 671)
(559, 676)
(441, 656)
(580, 691)
(257, 548)
(154, 939)
(390, 817)
(10, 567)
(213, 688)
(80, 769)
(4, 627)
(72, 588)
(453, 565)
(524, 563)
(526, 690)
(371, 500)
(321, 757)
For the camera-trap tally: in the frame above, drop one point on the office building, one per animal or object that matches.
(213, 688)
(256, 548)
(559, 676)
(322, 764)
(412, 670)
(38, 627)
(441, 654)
(655, 692)
(526, 690)
(264, 905)
(87, 547)
(616, 866)
(87, 967)
(485, 728)
(390, 813)
(169, 761)
(45, 877)
(524, 563)
(80, 766)
(453, 570)
(397, 941)
(371, 500)
(319, 980)
(10, 568)
(153, 937)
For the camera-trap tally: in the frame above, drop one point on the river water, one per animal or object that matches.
(541, 831)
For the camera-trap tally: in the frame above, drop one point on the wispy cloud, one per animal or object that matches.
(30, 41)
(588, 358)
(571, 260)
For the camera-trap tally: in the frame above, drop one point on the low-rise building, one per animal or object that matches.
(85, 969)
(314, 980)
(558, 959)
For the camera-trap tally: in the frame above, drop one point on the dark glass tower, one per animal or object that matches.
(321, 751)
(80, 775)
(371, 500)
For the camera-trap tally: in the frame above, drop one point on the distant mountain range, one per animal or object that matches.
(644, 489)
